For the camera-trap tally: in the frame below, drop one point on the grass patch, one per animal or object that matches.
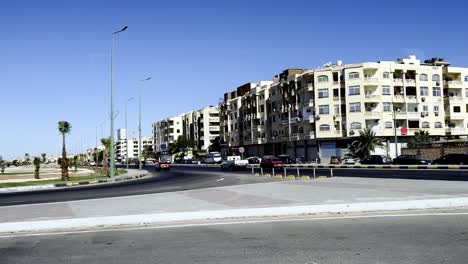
(17, 173)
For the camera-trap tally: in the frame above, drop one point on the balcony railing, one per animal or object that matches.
(371, 80)
(455, 99)
(372, 113)
(410, 81)
(458, 130)
(398, 80)
(454, 84)
(213, 119)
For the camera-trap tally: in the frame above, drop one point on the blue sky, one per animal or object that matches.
(55, 55)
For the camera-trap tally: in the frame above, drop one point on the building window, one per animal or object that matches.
(423, 77)
(354, 90)
(456, 109)
(466, 92)
(435, 91)
(387, 107)
(356, 125)
(322, 78)
(425, 125)
(353, 75)
(388, 124)
(438, 125)
(436, 108)
(386, 75)
(323, 93)
(466, 78)
(424, 91)
(435, 77)
(425, 108)
(385, 90)
(324, 109)
(178, 130)
(354, 107)
(336, 109)
(324, 128)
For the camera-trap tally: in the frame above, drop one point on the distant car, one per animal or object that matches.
(161, 165)
(286, 159)
(254, 160)
(150, 162)
(349, 159)
(271, 162)
(234, 162)
(92, 163)
(335, 160)
(376, 159)
(411, 160)
(456, 159)
(213, 158)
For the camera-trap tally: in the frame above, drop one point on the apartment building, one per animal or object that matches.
(316, 113)
(202, 126)
(122, 150)
(166, 132)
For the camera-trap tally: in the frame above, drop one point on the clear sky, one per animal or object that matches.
(55, 55)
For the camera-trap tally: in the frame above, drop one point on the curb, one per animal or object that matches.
(61, 224)
(72, 184)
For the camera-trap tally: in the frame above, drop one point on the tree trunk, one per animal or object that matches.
(65, 175)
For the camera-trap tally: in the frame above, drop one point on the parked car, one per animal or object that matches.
(349, 159)
(254, 160)
(212, 158)
(271, 162)
(457, 159)
(162, 165)
(234, 162)
(411, 160)
(335, 160)
(376, 159)
(286, 159)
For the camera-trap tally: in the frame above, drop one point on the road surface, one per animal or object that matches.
(340, 239)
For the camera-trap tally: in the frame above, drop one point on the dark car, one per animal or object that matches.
(411, 160)
(457, 159)
(286, 159)
(254, 160)
(376, 159)
(162, 165)
(335, 160)
(271, 162)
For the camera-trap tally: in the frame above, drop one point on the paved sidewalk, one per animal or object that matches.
(275, 198)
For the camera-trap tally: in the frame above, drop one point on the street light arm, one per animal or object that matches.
(123, 29)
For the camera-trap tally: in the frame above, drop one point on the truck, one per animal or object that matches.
(163, 163)
(234, 162)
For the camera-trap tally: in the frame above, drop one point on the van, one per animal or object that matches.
(213, 158)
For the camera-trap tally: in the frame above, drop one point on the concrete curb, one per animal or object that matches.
(108, 221)
(73, 184)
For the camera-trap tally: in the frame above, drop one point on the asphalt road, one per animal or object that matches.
(389, 239)
(189, 178)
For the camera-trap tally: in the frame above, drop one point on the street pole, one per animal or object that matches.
(112, 153)
(394, 120)
(139, 123)
(126, 133)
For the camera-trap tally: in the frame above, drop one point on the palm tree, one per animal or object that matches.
(420, 138)
(37, 165)
(364, 144)
(64, 127)
(26, 158)
(43, 155)
(106, 143)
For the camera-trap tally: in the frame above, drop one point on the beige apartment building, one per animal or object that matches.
(316, 113)
(166, 132)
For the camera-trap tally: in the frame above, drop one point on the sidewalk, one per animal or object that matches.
(331, 195)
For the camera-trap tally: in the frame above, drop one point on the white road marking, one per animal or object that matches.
(247, 221)
(220, 180)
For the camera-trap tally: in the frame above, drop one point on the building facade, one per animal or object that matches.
(315, 113)
(202, 126)
(122, 149)
(166, 132)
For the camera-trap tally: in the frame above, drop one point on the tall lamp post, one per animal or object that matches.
(126, 132)
(112, 153)
(139, 122)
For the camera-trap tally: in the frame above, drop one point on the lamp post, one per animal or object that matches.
(139, 122)
(111, 115)
(126, 133)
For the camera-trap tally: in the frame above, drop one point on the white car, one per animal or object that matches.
(348, 159)
(234, 162)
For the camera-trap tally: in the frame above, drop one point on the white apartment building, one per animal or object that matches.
(316, 113)
(166, 132)
(121, 148)
(202, 126)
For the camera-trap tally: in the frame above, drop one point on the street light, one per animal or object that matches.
(139, 122)
(126, 132)
(112, 154)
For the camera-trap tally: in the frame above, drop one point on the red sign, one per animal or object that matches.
(404, 131)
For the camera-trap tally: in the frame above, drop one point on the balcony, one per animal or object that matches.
(410, 82)
(398, 81)
(400, 114)
(372, 114)
(453, 84)
(336, 98)
(411, 99)
(213, 119)
(371, 81)
(373, 97)
(213, 128)
(455, 130)
(398, 98)
(454, 99)
(414, 115)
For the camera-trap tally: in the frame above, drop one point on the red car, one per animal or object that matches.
(271, 162)
(162, 166)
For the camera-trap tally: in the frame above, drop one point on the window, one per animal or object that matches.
(466, 78)
(424, 91)
(354, 90)
(336, 109)
(435, 77)
(324, 127)
(387, 107)
(353, 75)
(386, 75)
(324, 109)
(436, 108)
(456, 109)
(438, 125)
(435, 91)
(388, 124)
(356, 125)
(354, 107)
(323, 93)
(425, 125)
(385, 90)
(425, 108)
(178, 130)
(466, 92)
(322, 78)
(423, 77)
